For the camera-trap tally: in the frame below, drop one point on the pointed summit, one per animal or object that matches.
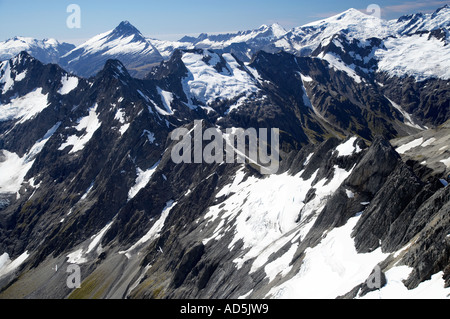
(125, 28)
(125, 43)
(278, 30)
(125, 24)
(22, 61)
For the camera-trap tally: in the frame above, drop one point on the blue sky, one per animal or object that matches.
(171, 19)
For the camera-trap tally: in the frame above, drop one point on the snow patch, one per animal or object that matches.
(404, 148)
(6, 79)
(408, 119)
(7, 265)
(428, 142)
(446, 162)
(89, 124)
(349, 193)
(167, 99)
(21, 76)
(69, 83)
(395, 289)
(77, 257)
(348, 148)
(24, 108)
(150, 136)
(96, 239)
(268, 213)
(339, 65)
(143, 177)
(13, 168)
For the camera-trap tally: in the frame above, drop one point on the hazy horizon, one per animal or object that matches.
(174, 19)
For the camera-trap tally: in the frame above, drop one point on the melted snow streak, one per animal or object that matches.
(404, 148)
(80, 256)
(154, 231)
(339, 65)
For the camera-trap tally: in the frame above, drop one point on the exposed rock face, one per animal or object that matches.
(97, 186)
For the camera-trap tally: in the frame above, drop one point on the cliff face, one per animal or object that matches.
(88, 179)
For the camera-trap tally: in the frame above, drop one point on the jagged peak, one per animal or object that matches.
(115, 68)
(441, 11)
(446, 7)
(22, 58)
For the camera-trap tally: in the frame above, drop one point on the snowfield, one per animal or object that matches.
(416, 56)
(206, 84)
(282, 213)
(69, 83)
(24, 108)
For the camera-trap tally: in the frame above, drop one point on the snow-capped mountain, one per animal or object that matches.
(47, 50)
(124, 43)
(303, 40)
(359, 207)
(243, 44)
(166, 48)
(414, 23)
(361, 26)
(355, 24)
(262, 34)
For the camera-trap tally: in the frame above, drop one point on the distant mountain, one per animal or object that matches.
(262, 34)
(243, 44)
(47, 50)
(303, 40)
(413, 23)
(124, 43)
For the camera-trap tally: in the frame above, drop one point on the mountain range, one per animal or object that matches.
(87, 176)
(139, 54)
